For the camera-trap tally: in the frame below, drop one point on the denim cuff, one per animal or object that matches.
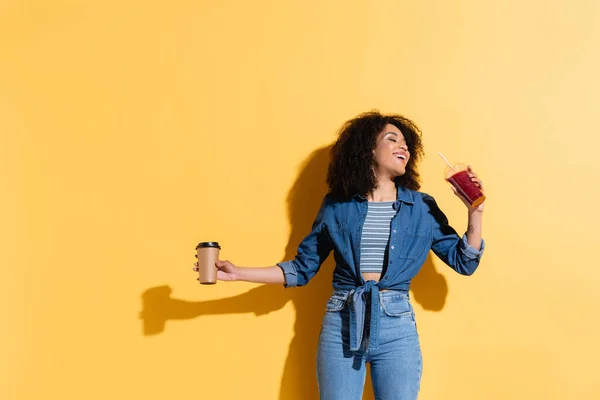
(469, 251)
(289, 272)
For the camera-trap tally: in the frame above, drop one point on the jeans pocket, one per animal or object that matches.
(337, 301)
(397, 307)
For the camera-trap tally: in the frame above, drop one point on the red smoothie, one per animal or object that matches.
(462, 182)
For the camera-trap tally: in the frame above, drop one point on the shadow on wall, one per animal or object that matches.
(299, 376)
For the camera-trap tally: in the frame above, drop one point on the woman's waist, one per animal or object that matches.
(387, 284)
(383, 293)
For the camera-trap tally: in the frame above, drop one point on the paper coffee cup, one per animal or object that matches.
(208, 255)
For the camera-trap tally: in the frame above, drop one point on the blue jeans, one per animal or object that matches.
(396, 363)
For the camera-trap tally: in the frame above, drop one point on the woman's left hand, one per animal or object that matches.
(477, 182)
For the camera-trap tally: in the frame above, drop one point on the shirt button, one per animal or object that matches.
(390, 262)
(394, 231)
(392, 247)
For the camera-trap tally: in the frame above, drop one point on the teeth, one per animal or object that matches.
(401, 156)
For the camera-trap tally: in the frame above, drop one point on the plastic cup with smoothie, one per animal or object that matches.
(458, 176)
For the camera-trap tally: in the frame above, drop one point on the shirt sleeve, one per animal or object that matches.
(312, 252)
(448, 246)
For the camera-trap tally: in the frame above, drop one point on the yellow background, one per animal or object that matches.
(130, 131)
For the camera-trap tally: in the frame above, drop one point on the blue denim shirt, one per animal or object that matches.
(418, 226)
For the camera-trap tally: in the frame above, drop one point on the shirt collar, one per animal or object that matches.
(405, 195)
(402, 195)
(359, 197)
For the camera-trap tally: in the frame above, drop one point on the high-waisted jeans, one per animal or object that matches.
(396, 363)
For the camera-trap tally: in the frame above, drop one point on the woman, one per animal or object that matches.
(380, 229)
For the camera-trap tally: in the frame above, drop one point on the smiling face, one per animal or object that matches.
(391, 154)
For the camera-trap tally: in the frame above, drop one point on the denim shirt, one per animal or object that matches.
(418, 226)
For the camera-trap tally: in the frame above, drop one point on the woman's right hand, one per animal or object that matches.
(227, 271)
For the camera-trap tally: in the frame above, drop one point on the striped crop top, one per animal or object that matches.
(376, 236)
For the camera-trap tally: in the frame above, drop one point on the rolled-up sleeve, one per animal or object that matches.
(312, 252)
(469, 251)
(448, 245)
(289, 272)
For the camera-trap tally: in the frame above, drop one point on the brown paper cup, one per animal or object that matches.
(208, 255)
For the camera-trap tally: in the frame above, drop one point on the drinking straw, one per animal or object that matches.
(446, 161)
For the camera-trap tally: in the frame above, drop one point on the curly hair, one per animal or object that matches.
(351, 163)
